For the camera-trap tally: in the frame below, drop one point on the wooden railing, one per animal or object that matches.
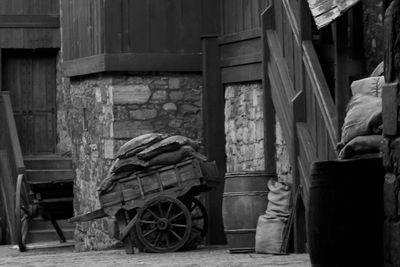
(11, 165)
(302, 99)
(299, 92)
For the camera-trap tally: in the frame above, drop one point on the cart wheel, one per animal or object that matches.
(199, 223)
(21, 212)
(164, 224)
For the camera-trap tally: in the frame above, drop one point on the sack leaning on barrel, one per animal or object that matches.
(271, 225)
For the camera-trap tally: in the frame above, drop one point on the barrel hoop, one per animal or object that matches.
(240, 231)
(246, 193)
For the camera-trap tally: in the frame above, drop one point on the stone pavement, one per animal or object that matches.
(209, 256)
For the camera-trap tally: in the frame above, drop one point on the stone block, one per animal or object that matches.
(109, 149)
(176, 95)
(386, 157)
(170, 107)
(131, 129)
(386, 240)
(131, 94)
(395, 243)
(189, 109)
(158, 96)
(390, 191)
(174, 83)
(143, 114)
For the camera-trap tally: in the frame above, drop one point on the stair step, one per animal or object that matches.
(49, 162)
(50, 176)
(38, 224)
(36, 236)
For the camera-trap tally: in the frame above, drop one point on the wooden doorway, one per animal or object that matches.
(30, 76)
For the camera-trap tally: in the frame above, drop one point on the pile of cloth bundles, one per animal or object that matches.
(362, 127)
(150, 150)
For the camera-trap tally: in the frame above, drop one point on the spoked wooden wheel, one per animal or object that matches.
(21, 212)
(199, 223)
(164, 224)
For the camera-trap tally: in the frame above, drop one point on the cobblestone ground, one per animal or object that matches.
(117, 258)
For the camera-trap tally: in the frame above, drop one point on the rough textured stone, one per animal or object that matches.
(143, 114)
(395, 243)
(391, 191)
(373, 33)
(131, 94)
(244, 131)
(170, 107)
(99, 113)
(174, 83)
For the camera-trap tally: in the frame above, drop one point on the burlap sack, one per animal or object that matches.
(278, 198)
(364, 117)
(168, 144)
(361, 145)
(139, 143)
(269, 234)
(369, 86)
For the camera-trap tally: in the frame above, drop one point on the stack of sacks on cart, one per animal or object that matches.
(362, 127)
(148, 151)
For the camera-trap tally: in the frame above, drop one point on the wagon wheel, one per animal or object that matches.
(199, 223)
(164, 224)
(21, 212)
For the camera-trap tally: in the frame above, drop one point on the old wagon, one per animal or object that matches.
(157, 209)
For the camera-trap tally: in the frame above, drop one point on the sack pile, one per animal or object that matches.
(149, 150)
(362, 127)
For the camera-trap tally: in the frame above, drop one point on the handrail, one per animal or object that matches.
(321, 91)
(11, 163)
(314, 70)
(5, 104)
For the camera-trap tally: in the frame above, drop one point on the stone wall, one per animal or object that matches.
(101, 112)
(244, 130)
(373, 33)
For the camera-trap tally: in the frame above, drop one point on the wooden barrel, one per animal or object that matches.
(244, 200)
(345, 213)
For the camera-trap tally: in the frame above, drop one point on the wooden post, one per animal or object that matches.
(391, 131)
(214, 133)
(269, 110)
(342, 89)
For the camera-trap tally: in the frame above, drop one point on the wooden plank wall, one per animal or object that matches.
(154, 35)
(29, 24)
(143, 26)
(240, 40)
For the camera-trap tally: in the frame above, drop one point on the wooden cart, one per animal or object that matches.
(157, 209)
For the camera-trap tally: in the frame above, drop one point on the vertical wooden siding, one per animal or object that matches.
(23, 7)
(29, 24)
(82, 28)
(241, 15)
(130, 26)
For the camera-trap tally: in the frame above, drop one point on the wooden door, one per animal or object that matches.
(30, 76)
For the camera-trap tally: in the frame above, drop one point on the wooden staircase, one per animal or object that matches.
(308, 111)
(51, 180)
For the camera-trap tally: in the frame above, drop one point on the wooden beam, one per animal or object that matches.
(29, 21)
(153, 62)
(342, 86)
(240, 36)
(132, 62)
(242, 73)
(269, 110)
(241, 60)
(214, 133)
